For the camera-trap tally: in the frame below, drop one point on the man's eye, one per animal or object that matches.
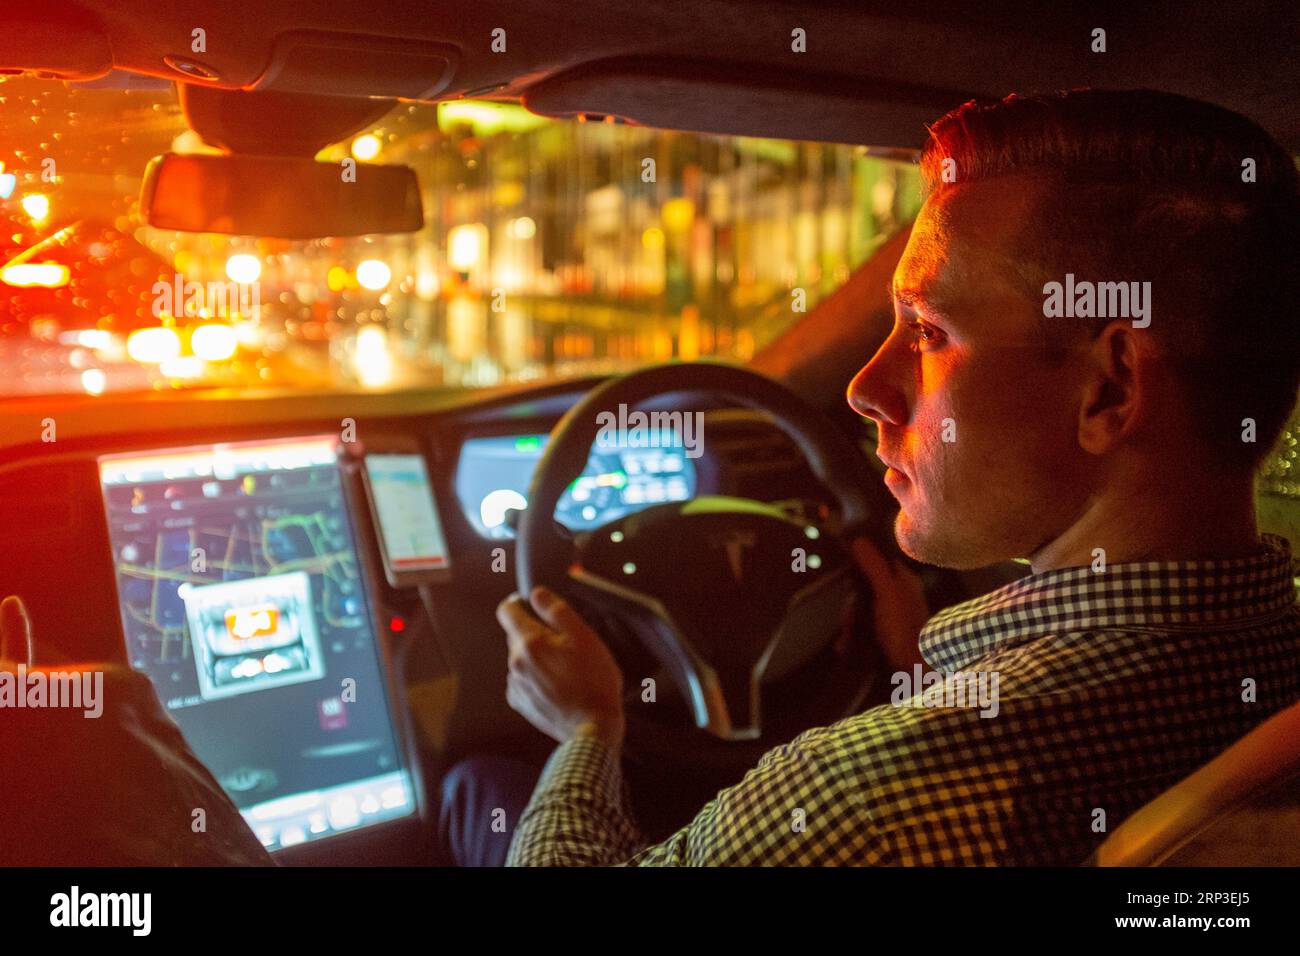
(923, 334)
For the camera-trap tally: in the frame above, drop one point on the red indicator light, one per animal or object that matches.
(397, 625)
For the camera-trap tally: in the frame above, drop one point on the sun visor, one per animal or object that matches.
(744, 101)
(65, 44)
(351, 64)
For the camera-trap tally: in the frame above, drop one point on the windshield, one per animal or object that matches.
(550, 248)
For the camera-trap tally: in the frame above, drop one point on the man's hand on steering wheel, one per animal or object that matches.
(564, 681)
(899, 609)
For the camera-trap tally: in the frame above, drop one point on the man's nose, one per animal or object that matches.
(876, 391)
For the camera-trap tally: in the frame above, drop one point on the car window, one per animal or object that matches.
(550, 248)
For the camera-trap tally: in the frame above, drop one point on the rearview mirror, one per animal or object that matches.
(278, 196)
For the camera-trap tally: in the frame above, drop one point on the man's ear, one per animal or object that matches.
(1116, 387)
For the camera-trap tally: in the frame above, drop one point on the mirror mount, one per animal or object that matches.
(268, 122)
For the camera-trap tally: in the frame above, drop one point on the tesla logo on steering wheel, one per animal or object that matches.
(734, 542)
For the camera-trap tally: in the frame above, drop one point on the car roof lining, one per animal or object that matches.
(872, 74)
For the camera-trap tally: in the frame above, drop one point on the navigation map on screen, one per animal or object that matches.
(243, 600)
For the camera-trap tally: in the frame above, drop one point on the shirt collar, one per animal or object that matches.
(1161, 594)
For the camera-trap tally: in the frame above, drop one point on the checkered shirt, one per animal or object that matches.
(1111, 687)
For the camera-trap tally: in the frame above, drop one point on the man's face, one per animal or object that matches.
(977, 422)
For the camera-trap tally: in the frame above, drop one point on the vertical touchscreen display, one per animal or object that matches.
(243, 599)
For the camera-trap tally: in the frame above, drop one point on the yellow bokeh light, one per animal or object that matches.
(337, 279)
(465, 246)
(366, 147)
(508, 193)
(678, 213)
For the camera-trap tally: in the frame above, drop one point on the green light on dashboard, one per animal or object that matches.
(528, 443)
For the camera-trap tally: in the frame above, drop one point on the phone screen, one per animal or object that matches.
(410, 533)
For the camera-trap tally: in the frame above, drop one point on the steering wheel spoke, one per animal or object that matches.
(726, 703)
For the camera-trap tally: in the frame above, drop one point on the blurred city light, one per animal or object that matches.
(678, 214)
(153, 346)
(37, 207)
(97, 339)
(374, 362)
(465, 246)
(182, 366)
(248, 334)
(214, 343)
(374, 274)
(338, 279)
(523, 228)
(25, 275)
(93, 380)
(243, 268)
(426, 284)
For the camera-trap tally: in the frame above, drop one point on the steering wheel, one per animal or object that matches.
(726, 593)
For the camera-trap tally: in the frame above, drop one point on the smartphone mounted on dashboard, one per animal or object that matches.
(408, 527)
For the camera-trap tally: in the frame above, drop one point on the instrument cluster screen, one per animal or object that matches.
(495, 472)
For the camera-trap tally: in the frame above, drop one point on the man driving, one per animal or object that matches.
(1088, 363)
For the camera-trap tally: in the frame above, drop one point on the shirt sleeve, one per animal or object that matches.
(793, 809)
(578, 812)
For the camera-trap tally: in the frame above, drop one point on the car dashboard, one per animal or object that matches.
(245, 559)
